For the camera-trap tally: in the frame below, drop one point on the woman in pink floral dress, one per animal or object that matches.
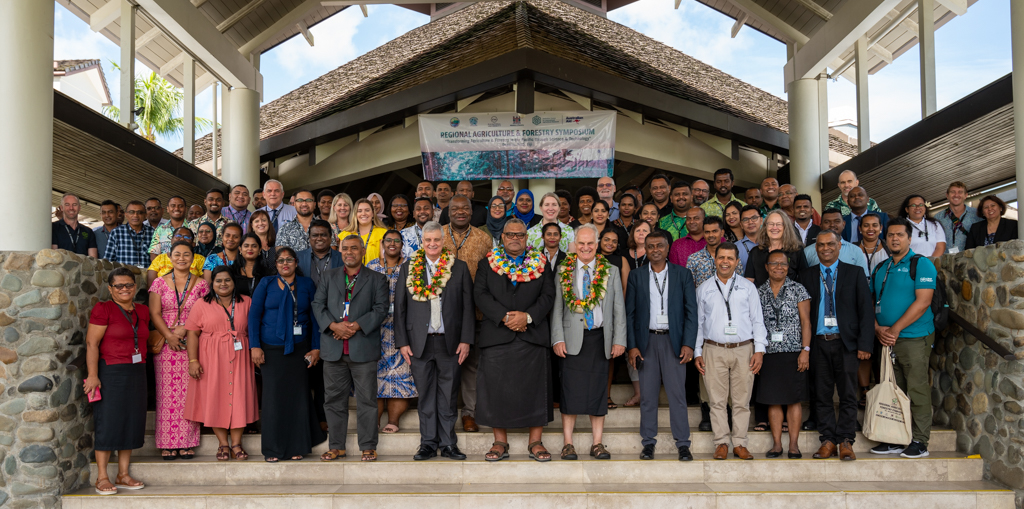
(170, 299)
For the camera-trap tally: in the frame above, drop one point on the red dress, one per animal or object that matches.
(225, 394)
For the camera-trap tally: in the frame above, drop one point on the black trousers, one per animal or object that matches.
(437, 381)
(833, 366)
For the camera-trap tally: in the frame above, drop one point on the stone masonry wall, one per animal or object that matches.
(975, 391)
(45, 420)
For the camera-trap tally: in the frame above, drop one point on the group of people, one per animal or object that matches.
(516, 312)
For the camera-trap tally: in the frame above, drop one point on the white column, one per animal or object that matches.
(863, 112)
(127, 62)
(804, 139)
(225, 131)
(26, 137)
(926, 41)
(1017, 41)
(822, 129)
(213, 136)
(539, 187)
(188, 151)
(243, 167)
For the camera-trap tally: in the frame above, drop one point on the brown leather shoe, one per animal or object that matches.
(469, 424)
(742, 453)
(721, 451)
(846, 451)
(826, 451)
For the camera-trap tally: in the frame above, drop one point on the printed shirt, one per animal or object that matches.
(162, 265)
(162, 238)
(219, 225)
(472, 250)
(844, 209)
(787, 319)
(535, 237)
(293, 235)
(703, 266)
(125, 245)
(412, 238)
(240, 217)
(673, 224)
(713, 207)
(956, 238)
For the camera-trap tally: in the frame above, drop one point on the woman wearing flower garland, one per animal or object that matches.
(515, 294)
(394, 378)
(589, 295)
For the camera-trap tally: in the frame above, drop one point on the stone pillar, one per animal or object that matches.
(1017, 38)
(243, 143)
(46, 423)
(804, 140)
(26, 138)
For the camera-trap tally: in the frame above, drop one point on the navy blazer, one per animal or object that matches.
(854, 306)
(848, 229)
(305, 260)
(681, 306)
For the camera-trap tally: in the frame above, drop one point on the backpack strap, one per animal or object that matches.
(913, 266)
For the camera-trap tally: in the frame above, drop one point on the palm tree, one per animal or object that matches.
(160, 104)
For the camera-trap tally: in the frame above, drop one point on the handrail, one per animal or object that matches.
(985, 339)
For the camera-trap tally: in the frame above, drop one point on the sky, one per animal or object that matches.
(971, 51)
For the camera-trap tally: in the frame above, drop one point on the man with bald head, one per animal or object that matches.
(847, 181)
(67, 233)
(606, 190)
(859, 205)
(507, 192)
(701, 191)
(465, 189)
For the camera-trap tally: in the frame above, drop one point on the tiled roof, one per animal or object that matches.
(71, 65)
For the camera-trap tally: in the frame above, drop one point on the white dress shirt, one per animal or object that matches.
(598, 312)
(658, 297)
(431, 267)
(802, 232)
(713, 315)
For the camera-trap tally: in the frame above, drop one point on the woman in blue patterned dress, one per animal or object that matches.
(394, 376)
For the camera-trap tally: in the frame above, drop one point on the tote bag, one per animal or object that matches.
(887, 413)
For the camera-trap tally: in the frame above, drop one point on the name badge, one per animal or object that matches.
(391, 309)
(953, 250)
(830, 321)
(730, 330)
(878, 309)
(136, 358)
(297, 330)
(345, 313)
(662, 319)
(777, 337)
(238, 345)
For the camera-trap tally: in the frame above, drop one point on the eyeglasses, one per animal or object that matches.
(305, 200)
(916, 206)
(285, 261)
(123, 286)
(606, 185)
(749, 219)
(515, 235)
(392, 241)
(185, 237)
(503, 188)
(136, 212)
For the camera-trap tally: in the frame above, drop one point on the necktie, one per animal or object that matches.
(273, 218)
(588, 315)
(829, 305)
(435, 302)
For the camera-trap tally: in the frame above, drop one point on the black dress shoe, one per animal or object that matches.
(425, 453)
(453, 452)
(684, 454)
(809, 425)
(705, 418)
(647, 453)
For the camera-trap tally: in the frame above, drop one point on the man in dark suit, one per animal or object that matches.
(661, 332)
(858, 198)
(843, 335)
(435, 328)
(515, 291)
(349, 306)
(314, 264)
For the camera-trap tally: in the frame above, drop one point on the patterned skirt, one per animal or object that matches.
(394, 376)
(173, 430)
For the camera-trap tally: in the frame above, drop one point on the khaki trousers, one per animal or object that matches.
(728, 377)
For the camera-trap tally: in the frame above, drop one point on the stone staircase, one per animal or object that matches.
(944, 479)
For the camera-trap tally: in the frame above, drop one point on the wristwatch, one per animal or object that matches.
(529, 319)
(807, 349)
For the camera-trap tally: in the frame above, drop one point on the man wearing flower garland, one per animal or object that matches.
(515, 295)
(434, 326)
(588, 328)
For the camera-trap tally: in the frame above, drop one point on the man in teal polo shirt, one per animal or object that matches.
(904, 321)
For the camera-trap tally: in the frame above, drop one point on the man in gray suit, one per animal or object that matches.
(434, 326)
(349, 306)
(587, 337)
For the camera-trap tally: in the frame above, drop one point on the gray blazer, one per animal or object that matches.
(412, 317)
(568, 327)
(368, 308)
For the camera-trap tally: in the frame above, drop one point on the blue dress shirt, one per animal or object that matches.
(820, 326)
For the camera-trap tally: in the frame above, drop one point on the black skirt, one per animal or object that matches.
(781, 383)
(585, 378)
(120, 415)
(513, 385)
(289, 423)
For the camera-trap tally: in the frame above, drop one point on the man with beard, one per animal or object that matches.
(701, 192)
(753, 196)
(723, 194)
(769, 196)
(295, 234)
(238, 208)
(214, 202)
(67, 233)
(660, 194)
(859, 206)
(675, 222)
(162, 236)
(412, 237)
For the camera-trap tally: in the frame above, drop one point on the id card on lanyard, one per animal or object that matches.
(137, 356)
(296, 327)
(730, 329)
(231, 322)
(778, 337)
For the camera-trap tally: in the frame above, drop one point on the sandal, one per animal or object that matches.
(296, 458)
(241, 455)
(611, 404)
(105, 487)
(498, 452)
(271, 460)
(634, 401)
(599, 452)
(125, 481)
(761, 426)
(785, 427)
(568, 452)
(169, 454)
(187, 454)
(369, 455)
(390, 428)
(223, 453)
(332, 455)
(542, 455)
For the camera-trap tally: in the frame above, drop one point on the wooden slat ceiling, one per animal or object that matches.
(980, 153)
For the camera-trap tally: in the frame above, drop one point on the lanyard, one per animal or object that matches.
(958, 223)
(675, 222)
(921, 233)
(295, 301)
(231, 316)
(180, 299)
(639, 261)
(778, 308)
(134, 326)
(881, 291)
(235, 214)
(350, 285)
(317, 266)
(224, 258)
(458, 246)
(661, 285)
(832, 291)
(73, 234)
(732, 285)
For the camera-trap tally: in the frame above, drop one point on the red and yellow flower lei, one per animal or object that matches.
(532, 267)
(567, 270)
(418, 271)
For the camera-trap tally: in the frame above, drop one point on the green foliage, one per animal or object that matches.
(160, 102)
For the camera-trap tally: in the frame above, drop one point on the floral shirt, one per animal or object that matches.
(703, 266)
(219, 224)
(844, 209)
(470, 247)
(782, 315)
(162, 238)
(535, 237)
(412, 237)
(293, 235)
(162, 265)
(674, 224)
